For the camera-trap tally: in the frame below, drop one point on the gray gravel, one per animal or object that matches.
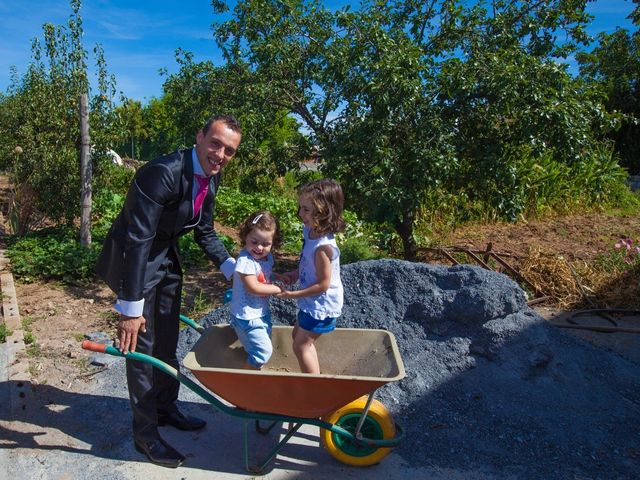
(490, 387)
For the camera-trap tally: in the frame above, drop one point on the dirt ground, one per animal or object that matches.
(59, 317)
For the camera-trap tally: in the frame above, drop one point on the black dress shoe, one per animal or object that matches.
(160, 452)
(182, 422)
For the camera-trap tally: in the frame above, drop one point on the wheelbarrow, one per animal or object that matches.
(355, 429)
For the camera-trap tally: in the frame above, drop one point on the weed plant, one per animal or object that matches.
(4, 333)
(623, 258)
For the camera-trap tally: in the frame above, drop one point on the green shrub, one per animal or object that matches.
(29, 338)
(192, 255)
(106, 207)
(356, 249)
(233, 206)
(52, 254)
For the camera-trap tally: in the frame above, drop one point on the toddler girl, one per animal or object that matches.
(250, 315)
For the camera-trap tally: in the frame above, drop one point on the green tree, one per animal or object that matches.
(614, 64)
(161, 129)
(271, 143)
(133, 127)
(40, 116)
(373, 86)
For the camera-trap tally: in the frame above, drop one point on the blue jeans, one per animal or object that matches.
(255, 336)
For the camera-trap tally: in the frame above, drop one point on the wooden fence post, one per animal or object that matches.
(85, 174)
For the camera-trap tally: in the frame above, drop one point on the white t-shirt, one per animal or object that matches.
(244, 305)
(329, 303)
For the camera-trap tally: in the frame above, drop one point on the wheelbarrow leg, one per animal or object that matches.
(264, 430)
(293, 428)
(363, 416)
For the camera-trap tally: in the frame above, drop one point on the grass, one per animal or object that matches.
(4, 333)
(33, 349)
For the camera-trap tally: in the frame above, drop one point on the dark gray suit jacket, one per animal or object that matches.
(157, 211)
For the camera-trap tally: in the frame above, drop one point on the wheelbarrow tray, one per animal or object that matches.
(353, 361)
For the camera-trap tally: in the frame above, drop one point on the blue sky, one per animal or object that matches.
(139, 38)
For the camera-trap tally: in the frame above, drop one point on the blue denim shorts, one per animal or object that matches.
(255, 336)
(310, 324)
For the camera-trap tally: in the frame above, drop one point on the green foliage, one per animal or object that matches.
(541, 185)
(106, 207)
(4, 332)
(233, 207)
(56, 254)
(444, 113)
(356, 249)
(40, 116)
(133, 127)
(402, 99)
(596, 181)
(192, 255)
(29, 338)
(200, 305)
(108, 196)
(161, 131)
(52, 254)
(614, 66)
(624, 257)
(271, 142)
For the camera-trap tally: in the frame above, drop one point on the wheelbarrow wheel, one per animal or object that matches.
(377, 425)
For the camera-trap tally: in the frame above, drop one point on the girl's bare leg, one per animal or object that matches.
(305, 350)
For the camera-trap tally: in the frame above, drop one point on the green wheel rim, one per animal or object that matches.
(370, 429)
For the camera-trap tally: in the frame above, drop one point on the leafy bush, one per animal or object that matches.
(192, 255)
(596, 180)
(105, 209)
(232, 207)
(356, 249)
(52, 254)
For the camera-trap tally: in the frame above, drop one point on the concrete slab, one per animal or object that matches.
(85, 434)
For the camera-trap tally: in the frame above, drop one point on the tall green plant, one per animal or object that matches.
(40, 116)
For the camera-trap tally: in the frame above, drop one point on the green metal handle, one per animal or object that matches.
(192, 323)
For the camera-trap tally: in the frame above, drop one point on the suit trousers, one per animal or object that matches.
(150, 390)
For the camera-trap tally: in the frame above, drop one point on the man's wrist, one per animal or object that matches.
(128, 308)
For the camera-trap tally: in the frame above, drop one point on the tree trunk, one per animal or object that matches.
(404, 227)
(85, 174)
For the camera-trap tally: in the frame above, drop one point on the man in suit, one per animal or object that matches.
(168, 197)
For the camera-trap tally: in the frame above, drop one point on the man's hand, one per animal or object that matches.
(227, 268)
(128, 328)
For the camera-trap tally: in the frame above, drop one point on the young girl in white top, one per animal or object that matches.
(321, 294)
(250, 314)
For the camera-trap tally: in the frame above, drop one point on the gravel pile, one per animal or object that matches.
(490, 387)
